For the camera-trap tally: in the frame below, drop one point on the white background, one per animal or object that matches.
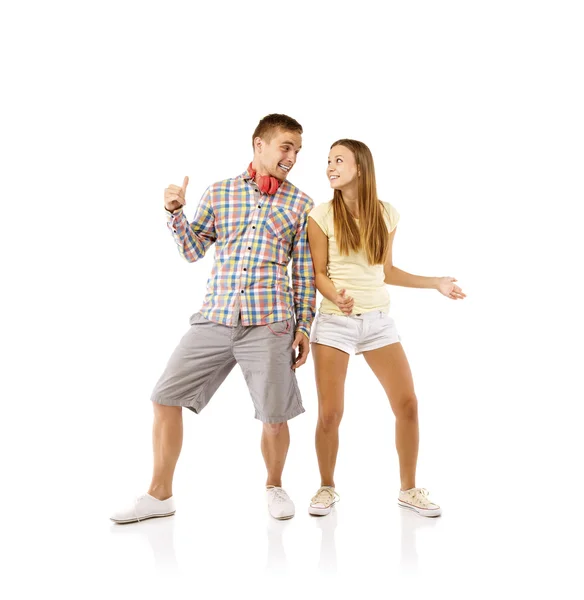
(473, 112)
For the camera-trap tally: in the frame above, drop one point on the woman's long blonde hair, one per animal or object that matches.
(371, 233)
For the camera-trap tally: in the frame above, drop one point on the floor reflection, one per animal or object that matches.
(277, 561)
(410, 524)
(160, 536)
(328, 549)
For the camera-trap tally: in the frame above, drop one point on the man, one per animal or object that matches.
(250, 316)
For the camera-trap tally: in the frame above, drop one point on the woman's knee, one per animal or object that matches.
(330, 419)
(407, 408)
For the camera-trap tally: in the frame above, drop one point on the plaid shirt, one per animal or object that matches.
(256, 235)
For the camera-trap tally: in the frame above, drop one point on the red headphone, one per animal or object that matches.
(266, 183)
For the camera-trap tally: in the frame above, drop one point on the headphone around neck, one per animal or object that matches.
(267, 184)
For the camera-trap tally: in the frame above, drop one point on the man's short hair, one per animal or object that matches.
(270, 123)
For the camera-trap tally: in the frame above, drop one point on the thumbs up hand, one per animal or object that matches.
(174, 196)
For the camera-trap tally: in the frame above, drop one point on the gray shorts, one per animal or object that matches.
(207, 353)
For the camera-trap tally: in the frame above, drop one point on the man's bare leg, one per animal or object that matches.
(275, 444)
(167, 436)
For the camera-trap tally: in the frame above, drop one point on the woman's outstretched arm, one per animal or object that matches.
(395, 276)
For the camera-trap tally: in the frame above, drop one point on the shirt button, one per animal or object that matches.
(253, 226)
(245, 269)
(242, 291)
(259, 205)
(249, 247)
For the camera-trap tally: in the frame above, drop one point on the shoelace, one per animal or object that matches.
(279, 495)
(324, 495)
(421, 495)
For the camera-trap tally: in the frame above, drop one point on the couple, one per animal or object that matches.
(251, 317)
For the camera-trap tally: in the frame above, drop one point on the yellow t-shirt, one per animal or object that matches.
(365, 283)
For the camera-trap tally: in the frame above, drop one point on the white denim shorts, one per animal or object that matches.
(355, 333)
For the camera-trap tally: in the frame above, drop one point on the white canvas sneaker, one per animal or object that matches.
(279, 504)
(417, 499)
(323, 501)
(145, 507)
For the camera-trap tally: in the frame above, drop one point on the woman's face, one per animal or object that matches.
(342, 168)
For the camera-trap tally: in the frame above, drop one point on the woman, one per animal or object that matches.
(351, 240)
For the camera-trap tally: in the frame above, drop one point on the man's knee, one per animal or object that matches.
(274, 428)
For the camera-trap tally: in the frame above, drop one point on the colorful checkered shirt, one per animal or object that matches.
(255, 237)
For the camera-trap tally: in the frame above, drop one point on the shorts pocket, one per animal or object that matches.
(197, 318)
(324, 317)
(334, 320)
(280, 327)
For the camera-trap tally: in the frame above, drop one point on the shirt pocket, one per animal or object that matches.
(281, 224)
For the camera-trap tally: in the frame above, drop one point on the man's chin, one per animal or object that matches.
(281, 174)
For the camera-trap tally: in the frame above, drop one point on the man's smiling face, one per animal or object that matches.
(277, 156)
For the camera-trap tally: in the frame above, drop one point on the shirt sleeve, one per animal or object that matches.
(392, 216)
(303, 287)
(193, 239)
(319, 214)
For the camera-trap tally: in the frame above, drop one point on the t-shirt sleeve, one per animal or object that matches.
(391, 216)
(320, 215)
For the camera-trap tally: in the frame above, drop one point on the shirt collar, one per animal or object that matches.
(246, 175)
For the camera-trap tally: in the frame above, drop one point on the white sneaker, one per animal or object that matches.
(279, 504)
(323, 501)
(416, 499)
(145, 507)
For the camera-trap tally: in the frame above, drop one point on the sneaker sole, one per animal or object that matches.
(421, 511)
(319, 512)
(145, 518)
(282, 518)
